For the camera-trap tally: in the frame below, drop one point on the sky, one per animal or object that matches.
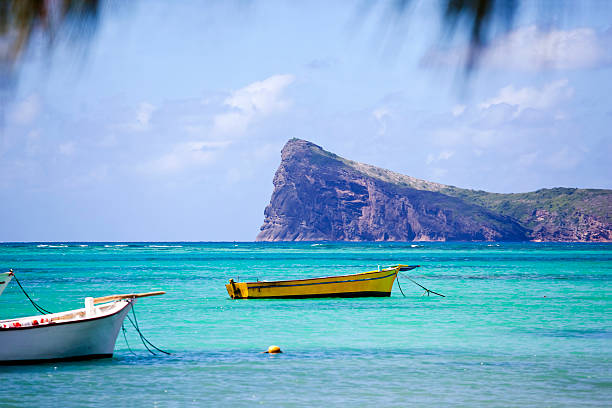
(169, 126)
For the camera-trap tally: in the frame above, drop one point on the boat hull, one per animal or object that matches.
(5, 278)
(368, 284)
(89, 338)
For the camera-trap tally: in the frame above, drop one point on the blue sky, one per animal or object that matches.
(170, 126)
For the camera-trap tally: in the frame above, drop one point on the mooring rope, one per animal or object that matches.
(39, 308)
(142, 337)
(126, 340)
(428, 291)
(400, 286)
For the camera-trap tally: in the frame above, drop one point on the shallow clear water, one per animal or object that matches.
(522, 325)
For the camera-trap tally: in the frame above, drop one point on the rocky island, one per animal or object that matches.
(321, 196)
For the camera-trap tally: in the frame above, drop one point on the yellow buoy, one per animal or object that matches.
(273, 350)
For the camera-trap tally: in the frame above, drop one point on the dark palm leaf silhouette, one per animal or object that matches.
(20, 20)
(24, 23)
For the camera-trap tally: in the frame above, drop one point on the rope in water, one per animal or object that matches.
(400, 286)
(428, 291)
(142, 337)
(39, 308)
(126, 340)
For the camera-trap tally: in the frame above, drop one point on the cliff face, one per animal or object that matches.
(320, 196)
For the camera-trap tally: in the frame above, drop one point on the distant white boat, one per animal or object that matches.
(79, 334)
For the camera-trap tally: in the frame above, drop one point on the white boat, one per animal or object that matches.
(79, 334)
(5, 278)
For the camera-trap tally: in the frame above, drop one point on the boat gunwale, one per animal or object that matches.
(322, 277)
(59, 323)
(325, 282)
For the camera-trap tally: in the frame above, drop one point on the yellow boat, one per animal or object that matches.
(367, 284)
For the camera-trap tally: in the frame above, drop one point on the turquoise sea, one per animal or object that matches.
(523, 324)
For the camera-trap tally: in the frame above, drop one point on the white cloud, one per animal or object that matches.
(259, 99)
(458, 110)
(143, 115)
(232, 123)
(26, 111)
(67, 149)
(528, 97)
(381, 114)
(498, 122)
(261, 96)
(141, 120)
(185, 155)
(530, 48)
(443, 155)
